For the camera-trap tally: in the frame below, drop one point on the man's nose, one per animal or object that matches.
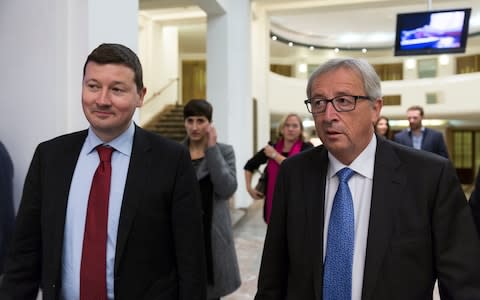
(330, 111)
(104, 98)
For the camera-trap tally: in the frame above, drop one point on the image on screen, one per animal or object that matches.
(432, 32)
(442, 30)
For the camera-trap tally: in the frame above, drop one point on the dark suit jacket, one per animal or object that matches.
(432, 141)
(475, 202)
(420, 228)
(6, 202)
(159, 244)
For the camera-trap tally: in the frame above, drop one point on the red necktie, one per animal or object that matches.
(93, 285)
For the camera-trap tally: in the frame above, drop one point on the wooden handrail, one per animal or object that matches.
(161, 90)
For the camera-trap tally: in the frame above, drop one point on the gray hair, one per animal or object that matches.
(371, 81)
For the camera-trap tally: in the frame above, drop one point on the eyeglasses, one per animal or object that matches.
(340, 103)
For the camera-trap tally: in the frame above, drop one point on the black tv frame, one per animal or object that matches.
(402, 25)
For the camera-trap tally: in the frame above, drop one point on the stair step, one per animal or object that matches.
(169, 123)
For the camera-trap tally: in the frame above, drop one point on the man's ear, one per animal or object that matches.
(141, 95)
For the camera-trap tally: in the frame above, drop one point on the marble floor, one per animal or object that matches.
(249, 231)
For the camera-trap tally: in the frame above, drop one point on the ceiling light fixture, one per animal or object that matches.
(443, 59)
(291, 43)
(336, 50)
(410, 63)
(302, 68)
(364, 50)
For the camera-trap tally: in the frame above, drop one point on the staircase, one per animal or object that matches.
(169, 123)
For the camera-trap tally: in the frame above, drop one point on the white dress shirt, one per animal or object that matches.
(360, 185)
(87, 163)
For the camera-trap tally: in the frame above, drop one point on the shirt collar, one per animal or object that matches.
(421, 129)
(363, 164)
(122, 143)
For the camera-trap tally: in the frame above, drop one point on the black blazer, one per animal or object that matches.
(432, 141)
(420, 228)
(475, 202)
(6, 202)
(159, 252)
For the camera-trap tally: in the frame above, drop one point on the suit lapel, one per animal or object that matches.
(315, 204)
(388, 182)
(138, 170)
(409, 139)
(425, 137)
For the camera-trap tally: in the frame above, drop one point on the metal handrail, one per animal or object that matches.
(161, 90)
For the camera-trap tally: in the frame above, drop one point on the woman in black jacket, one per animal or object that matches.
(290, 142)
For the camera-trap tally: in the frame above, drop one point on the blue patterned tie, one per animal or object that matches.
(337, 276)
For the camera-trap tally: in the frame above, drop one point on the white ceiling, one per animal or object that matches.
(331, 23)
(356, 24)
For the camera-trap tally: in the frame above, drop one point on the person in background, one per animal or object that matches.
(7, 214)
(420, 137)
(111, 212)
(214, 164)
(475, 201)
(351, 218)
(382, 127)
(290, 142)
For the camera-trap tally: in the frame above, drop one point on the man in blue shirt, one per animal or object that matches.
(420, 137)
(149, 220)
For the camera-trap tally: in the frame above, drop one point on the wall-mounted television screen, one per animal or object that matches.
(432, 32)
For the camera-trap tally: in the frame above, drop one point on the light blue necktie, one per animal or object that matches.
(337, 276)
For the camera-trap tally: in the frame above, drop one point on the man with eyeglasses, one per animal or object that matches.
(349, 222)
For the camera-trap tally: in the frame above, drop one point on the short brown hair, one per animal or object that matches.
(117, 54)
(416, 107)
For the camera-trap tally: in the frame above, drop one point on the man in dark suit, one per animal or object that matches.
(399, 234)
(6, 202)
(154, 245)
(420, 137)
(475, 201)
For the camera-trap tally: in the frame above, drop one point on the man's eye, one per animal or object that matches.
(343, 100)
(92, 86)
(117, 90)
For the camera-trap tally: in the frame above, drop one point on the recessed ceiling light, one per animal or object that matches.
(290, 44)
(336, 50)
(443, 59)
(364, 50)
(274, 37)
(311, 48)
(410, 63)
(302, 68)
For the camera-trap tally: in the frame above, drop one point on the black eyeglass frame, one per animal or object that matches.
(331, 100)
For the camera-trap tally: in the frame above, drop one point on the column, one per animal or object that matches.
(229, 80)
(44, 48)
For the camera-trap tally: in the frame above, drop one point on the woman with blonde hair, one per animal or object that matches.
(290, 142)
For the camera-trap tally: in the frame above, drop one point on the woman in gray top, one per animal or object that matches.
(215, 167)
